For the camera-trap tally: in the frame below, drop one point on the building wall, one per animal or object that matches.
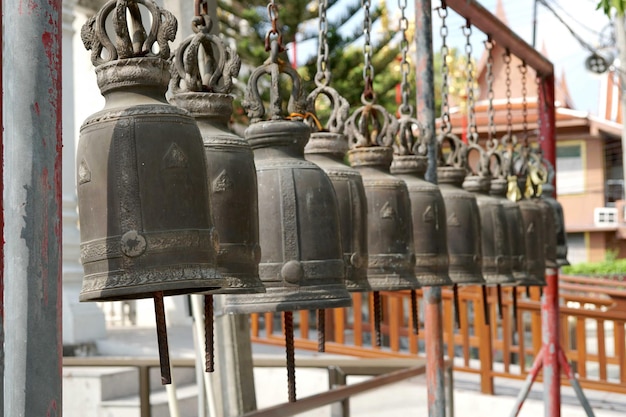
(579, 207)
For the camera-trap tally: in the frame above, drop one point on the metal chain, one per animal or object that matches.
(368, 68)
(322, 77)
(405, 68)
(274, 31)
(523, 70)
(201, 22)
(489, 44)
(446, 127)
(509, 115)
(469, 66)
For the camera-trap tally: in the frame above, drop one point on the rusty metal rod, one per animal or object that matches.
(164, 356)
(414, 316)
(209, 329)
(486, 305)
(321, 330)
(377, 319)
(457, 305)
(291, 359)
(500, 306)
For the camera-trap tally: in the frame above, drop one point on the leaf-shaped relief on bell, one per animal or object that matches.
(302, 261)
(203, 68)
(142, 194)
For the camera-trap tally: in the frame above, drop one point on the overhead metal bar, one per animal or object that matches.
(482, 19)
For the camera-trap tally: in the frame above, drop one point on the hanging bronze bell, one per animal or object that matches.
(462, 215)
(427, 206)
(327, 149)
(204, 91)
(495, 244)
(145, 224)
(389, 226)
(559, 220)
(515, 228)
(301, 263)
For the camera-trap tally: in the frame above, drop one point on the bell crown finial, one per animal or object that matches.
(274, 66)
(204, 62)
(132, 40)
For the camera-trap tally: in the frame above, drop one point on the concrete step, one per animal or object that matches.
(129, 406)
(87, 389)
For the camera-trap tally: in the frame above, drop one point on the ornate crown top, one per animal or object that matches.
(213, 70)
(131, 38)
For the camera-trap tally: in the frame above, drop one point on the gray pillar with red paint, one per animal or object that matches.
(32, 154)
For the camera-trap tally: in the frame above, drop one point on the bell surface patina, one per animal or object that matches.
(301, 264)
(204, 91)
(142, 193)
(559, 219)
(495, 243)
(327, 148)
(391, 260)
(427, 206)
(462, 215)
(515, 228)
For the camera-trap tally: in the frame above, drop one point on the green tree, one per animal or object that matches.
(247, 23)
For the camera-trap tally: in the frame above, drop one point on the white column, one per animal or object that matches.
(82, 322)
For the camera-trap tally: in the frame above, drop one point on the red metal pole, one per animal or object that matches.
(550, 301)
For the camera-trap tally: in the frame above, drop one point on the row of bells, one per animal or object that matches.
(171, 201)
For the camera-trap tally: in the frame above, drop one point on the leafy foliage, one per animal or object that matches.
(608, 5)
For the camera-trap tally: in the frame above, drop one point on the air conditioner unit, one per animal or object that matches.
(605, 216)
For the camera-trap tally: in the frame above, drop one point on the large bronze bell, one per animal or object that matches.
(515, 228)
(538, 175)
(389, 225)
(202, 72)
(327, 148)
(559, 220)
(145, 224)
(462, 214)
(427, 206)
(301, 262)
(495, 244)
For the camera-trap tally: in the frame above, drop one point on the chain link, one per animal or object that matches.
(446, 127)
(274, 31)
(368, 68)
(405, 68)
(201, 22)
(322, 77)
(490, 94)
(523, 70)
(469, 66)
(509, 115)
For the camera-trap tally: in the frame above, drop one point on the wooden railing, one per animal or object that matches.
(593, 315)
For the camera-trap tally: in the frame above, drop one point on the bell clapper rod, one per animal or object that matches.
(291, 360)
(528, 291)
(321, 330)
(414, 316)
(457, 307)
(514, 295)
(208, 335)
(377, 319)
(499, 292)
(485, 305)
(164, 357)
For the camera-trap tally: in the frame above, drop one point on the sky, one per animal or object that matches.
(563, 49)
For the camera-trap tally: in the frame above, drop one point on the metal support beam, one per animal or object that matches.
(550, 342)
(32, 207)
(482, 19)
(433, 314)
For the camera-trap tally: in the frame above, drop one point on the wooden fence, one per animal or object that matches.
(592, 319)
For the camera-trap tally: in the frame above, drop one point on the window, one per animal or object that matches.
(570, 173)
